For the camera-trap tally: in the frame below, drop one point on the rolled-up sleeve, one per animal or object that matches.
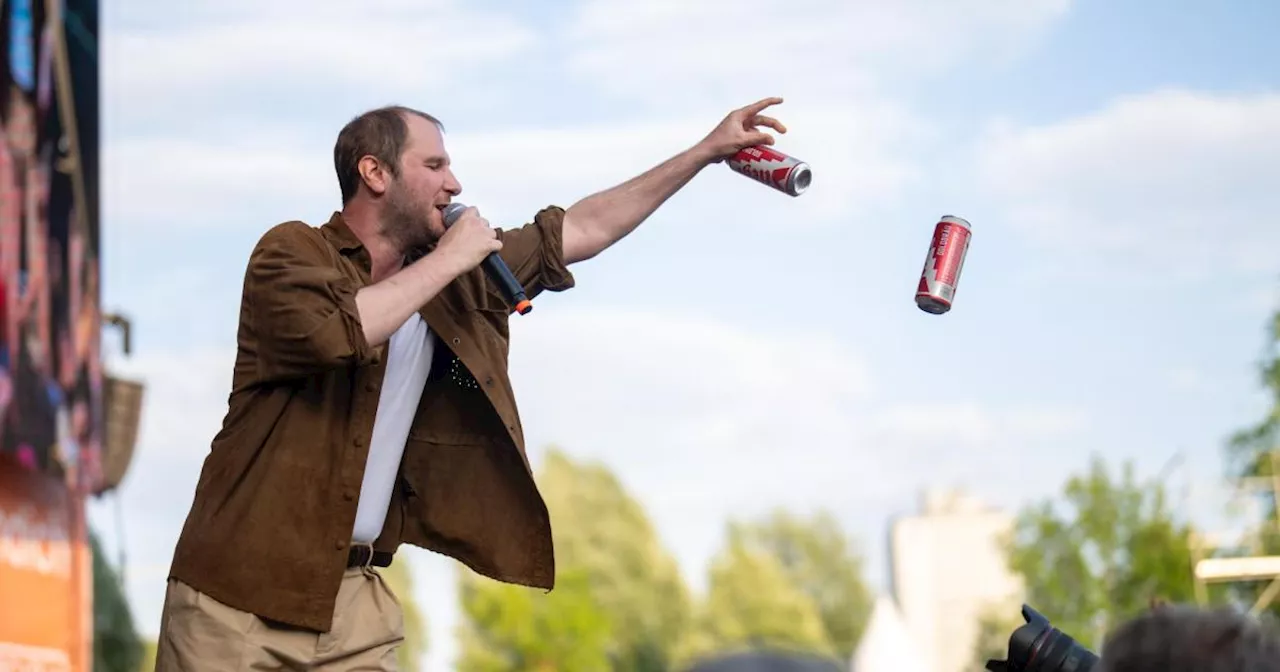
(302, 306)
(535, 253)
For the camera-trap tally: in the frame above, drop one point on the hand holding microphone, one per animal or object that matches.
(473, 237)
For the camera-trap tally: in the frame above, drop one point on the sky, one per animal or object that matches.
(743, 349)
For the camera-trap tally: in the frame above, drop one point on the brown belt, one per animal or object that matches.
(361, 555)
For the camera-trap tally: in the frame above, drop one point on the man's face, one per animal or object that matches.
(415, 198)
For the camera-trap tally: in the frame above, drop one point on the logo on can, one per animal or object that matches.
(768, 166)
(942, 266)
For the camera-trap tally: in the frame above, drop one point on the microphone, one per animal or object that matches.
(495, 267)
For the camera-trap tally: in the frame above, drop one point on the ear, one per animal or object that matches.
(373, 175)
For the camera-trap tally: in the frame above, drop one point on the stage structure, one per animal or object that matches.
(59, 441)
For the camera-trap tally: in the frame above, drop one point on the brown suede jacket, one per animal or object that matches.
(270, 526)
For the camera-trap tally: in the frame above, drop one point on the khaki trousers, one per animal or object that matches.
(198, 633)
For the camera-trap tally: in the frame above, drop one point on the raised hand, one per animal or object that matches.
(741, 129)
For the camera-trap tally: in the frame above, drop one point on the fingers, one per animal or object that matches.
(473, 212)
(759, 139)
(755, 108)
(762, 120)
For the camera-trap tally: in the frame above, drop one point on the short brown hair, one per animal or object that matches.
(380, 133)
(1189, 639)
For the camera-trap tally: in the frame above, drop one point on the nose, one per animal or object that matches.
(451, 184)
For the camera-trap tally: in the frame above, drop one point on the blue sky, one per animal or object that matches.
(744, 349)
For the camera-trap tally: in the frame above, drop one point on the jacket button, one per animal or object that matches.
(339, 544)
(348, 495)
(358, 441)
(371, 386)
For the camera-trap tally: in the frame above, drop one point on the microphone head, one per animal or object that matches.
(452, 212)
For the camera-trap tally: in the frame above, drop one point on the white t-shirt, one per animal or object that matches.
(408, 363)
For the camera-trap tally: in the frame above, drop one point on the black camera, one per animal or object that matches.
(1040, 647)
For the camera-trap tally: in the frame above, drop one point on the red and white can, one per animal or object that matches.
(942, 266)
(763, 164)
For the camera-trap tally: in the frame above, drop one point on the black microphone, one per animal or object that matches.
(495, 267)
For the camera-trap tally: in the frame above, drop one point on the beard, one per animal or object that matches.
(404, 223)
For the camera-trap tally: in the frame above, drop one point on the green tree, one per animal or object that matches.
(148, 663)
(116, 646)
(514, 629)
(995, 625)
(752, 603)
(819, 559)
(610, 564)
(1102, 554)
(399, 577)
(1250, 455)
(604, 532)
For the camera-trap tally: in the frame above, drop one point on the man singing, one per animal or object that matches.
(370, 405)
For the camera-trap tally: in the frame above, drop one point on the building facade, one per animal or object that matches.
(947, 567)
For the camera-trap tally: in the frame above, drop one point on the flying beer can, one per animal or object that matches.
(763, 164)
(937, 288)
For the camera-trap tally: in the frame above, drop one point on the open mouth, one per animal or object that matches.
(441, 209)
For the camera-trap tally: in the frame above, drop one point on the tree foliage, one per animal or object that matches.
(116, 646)
(752, 603)
(605, 532)
(148, 663)
(610, 564)
(996, 623)
(620, 603)
(1249, 448)
(818, 559)
(1250, 454)
(1101, 554)
(511, 628)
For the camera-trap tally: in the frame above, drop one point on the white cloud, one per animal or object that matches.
(186, 396)
(669, 49)
(1165, 185)
(227, 111)
(289, 55)
(294, 55)
(706, 420)
(1184, 378)
(974, 425)
(686, 389)
(255, 179)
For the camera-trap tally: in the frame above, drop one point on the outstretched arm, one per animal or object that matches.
(598, 221)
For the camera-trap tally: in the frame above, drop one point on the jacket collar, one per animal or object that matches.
(338, 233)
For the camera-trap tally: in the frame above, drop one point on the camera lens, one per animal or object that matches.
(1040, 647)
(1056, 651)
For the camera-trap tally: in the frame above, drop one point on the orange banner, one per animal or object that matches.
(45, 574)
